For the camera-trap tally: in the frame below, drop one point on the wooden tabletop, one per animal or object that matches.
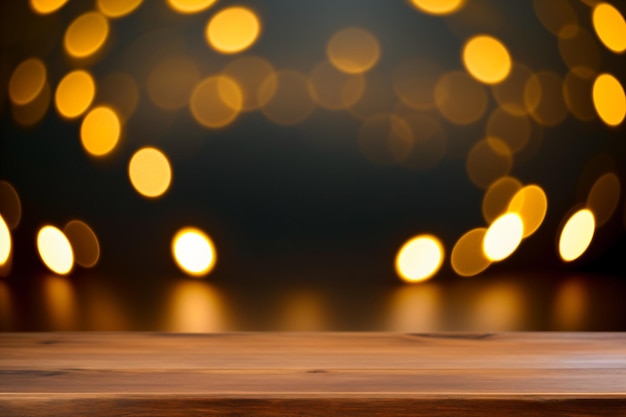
(312, 374)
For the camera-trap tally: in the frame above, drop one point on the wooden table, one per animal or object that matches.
(312, 374)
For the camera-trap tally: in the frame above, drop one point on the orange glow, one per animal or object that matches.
(438, 7)
(576, 235)
(190, 6)
(193, 251)
(233, 30)
(150, 172)
(610, 27)
(416, 308)
(580, 51)
(86, 35)
(27, 81)
(55, 250)
(46, 6)
(499, 307)
(304, 311)
(577, 98)
(84, 243)
(117, 8)
(60, 298)
(334, 89)
(486, 59)
(10, 205)
(571, 305)
(609, 99)
(498, 196)
(216, 101)
(250, 72)
(419, 259)
(510, 92)
(468, 258)
(30, 114)
(195, 307)
(604, 197)
(460, 98)
(100, 131)
(75, 94)
(503, 236)
(531, 204)
(555, 15)
(291, 102)
(5, 242)
(353, 50)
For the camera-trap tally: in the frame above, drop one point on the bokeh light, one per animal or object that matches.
(578, 100)
(460, 98)
(488, 160)
(555, 15)
(85, 244)
(46, 6)
(193, 251)
(576, 235)
(486, 59)
(498, 196)
(419, 259)
(216, 101)
(171, 82)
(5, 241)
(74, 94)
(604, 197)
(289, 101)
(55, 250)
(100, 131)
(117, 8)
(610, 26)
(32, 113)
(353, 50)
(438, 7)
(150, 172)
(10, 205)
(250, 73)
(531, 204)
(27, 81)
(609, 99)
(190, 6)
(511, 91)
(414, 82)
(580, 51)
(467, 257)
(86, 35)
(544, 100)
(503, 236)
(334, 89)
(233, 30)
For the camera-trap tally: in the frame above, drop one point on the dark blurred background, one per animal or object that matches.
(306, 225)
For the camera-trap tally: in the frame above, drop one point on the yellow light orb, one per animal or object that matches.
(438, 7)
(55, 250)
(150, 172)
(233, 30)
(86, 35)
(27, 81)
(487, 59)
(576, 235)
(610, 27)
(467, 257)
(74, 94)
(84, 243)
(419, 259)
(117, 8)
(100, 131)
(193, 251)
(531, 204)
(5, 242)
(353, 50)
(46, 6)
(216, 101)
(609, 99)
(190, 6)
(503, 236)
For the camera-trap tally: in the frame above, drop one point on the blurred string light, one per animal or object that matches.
(116, 8)
(468, 257)
(503, 236)
(576, 235)
(46, 6)
(233, 30)
(486, 59)
(438, 7)
(609, 99)
(10, 205)
(86, 35)
(334, 89)
(531, 204)
(55, 250)
(84, 242)
(250, 73)
(5, 242)
(460, 99)
(353, 50)
(74, 94)
(193, 251)
(100, 131)
(216, 101)
(603, 198)
(610, 26)
(27, 81)
(420, 258)
(150, 172)
(190, 6)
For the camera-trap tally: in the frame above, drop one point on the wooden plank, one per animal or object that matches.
(302, 374)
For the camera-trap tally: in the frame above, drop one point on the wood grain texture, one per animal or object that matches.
(313, 374)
